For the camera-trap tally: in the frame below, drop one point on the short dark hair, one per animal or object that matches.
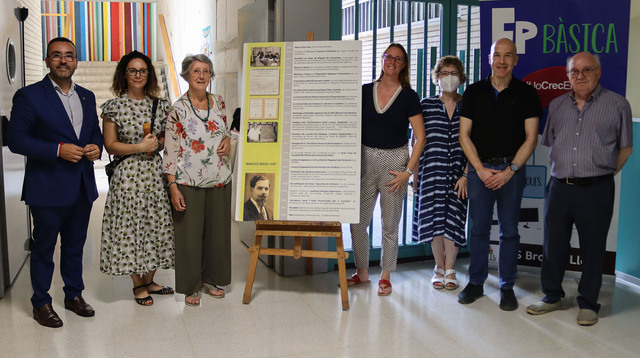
(256, 179)
(60, 39)
(119, 85)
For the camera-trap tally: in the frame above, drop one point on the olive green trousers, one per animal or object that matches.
(203, 238)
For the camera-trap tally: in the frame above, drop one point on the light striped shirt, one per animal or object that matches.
(72, 104)
(586, 143)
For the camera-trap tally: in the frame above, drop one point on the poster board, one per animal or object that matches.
(300, 132)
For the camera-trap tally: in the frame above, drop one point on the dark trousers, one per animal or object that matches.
(203, 238)
(71, 222)
(590, 208)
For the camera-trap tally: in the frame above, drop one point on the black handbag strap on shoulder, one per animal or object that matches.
(153, 113)
(153, 121)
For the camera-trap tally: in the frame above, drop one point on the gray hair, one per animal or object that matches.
(188, 62)
(595, 56)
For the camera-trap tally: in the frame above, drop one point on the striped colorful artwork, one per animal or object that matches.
(102, 31)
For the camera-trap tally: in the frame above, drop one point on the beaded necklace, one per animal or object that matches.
(196, 112)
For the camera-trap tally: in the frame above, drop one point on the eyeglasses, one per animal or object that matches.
(133, 72)
(586, 72)
(57, 56)
(205, 73)
(387, 58)
(447, 73)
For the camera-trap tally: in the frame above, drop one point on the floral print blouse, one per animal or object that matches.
(191, 144)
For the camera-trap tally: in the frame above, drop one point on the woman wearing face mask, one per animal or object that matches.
(441, 181)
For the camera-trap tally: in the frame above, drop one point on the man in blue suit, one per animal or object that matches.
(55, 125)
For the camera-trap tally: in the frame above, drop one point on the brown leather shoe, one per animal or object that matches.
(79, 306)
(46, 316)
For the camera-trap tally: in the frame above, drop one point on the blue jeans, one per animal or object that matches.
(481, 203)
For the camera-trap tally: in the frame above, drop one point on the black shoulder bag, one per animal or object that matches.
(111, 167)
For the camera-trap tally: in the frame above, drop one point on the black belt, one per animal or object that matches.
(497, 160)
(584, 181)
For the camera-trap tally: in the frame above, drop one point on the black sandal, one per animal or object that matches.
(165, 290)
(144, 301)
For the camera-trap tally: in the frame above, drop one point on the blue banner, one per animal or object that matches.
(547, 32)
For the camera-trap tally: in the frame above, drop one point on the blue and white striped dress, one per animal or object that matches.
(439, 211)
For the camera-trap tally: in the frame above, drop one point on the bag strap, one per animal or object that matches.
(153, 113)
(153, 120)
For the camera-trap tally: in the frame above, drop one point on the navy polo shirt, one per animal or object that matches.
(498, 117)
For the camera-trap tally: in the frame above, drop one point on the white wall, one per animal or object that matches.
(33, 40)
(185, 21)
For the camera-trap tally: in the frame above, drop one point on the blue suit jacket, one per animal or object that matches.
(39, 123)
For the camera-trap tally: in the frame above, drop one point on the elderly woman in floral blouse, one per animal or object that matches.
(198, 171)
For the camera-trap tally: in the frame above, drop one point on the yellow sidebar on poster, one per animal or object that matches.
(299, 145)
(260, 145)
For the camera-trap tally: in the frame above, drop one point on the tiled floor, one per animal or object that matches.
(302, 317)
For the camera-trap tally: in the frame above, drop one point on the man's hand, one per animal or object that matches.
(71, 152)
(91, 151)
(499, 179)
(485, 174)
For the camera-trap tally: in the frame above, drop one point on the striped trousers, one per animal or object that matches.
(376, 164)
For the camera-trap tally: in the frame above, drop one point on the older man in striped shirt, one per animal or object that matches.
(589, 132)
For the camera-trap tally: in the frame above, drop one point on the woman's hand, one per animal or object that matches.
(148, 144)
(224, 148)
(177, 200)
(400, 180)
(461, 188)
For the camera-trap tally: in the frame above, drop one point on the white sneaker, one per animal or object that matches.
(587, 317)
(542, 307)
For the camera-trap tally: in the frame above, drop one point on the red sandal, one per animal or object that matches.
(382, 287)
(355, 280)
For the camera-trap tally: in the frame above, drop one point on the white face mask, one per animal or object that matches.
(449, 83)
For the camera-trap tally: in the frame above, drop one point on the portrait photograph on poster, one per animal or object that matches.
(258, 196)
(262, 132)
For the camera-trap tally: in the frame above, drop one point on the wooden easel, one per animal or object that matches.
(298, 229)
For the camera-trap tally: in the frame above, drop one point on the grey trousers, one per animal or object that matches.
(203, 238)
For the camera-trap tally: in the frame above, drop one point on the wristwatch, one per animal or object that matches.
(409, 171)
(514, 167)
